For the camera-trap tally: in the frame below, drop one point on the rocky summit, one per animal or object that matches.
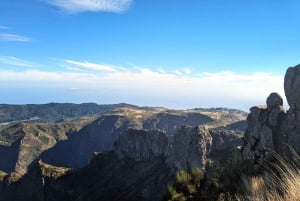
(270, 127)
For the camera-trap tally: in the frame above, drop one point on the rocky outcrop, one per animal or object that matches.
(270, 128)
(141, 145)
(261, 136)
(223, 139)
(189, 148)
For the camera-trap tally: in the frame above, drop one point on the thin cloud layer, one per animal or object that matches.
(144, 86)
(77, 6)
(13, 61)
(78, 65)
(13, 37)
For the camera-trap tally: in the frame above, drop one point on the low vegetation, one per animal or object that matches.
(221, 182)
(276, 181)
(281, 181)
(187, 186)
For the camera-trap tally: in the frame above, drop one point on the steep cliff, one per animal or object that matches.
(189, 148)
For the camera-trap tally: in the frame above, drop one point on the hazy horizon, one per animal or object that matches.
(171, 54)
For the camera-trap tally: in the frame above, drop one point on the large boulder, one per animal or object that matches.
(274, 99)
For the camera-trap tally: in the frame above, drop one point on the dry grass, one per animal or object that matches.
(280, 182)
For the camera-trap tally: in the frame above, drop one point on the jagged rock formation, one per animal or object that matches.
(189, 148)
(270, 128)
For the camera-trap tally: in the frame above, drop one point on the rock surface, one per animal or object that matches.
(141, 145)
(223, 139)
(190, 148)
(292, 87)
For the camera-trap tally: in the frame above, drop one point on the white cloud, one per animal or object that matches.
(160, 88)
(91, 66)
(13, 37)
(13, 61)
(76, 6)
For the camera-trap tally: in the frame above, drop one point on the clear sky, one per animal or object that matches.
(170, 53)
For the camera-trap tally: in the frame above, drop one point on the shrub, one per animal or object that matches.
(280, 181)
(186, 186)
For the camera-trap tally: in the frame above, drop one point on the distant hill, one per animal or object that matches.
(22, 143)
(52, 112)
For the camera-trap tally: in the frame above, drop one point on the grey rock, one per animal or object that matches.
(262, 133)
(274, 99)
(292, 87)
(223, 139)
(190, 148)
(141, 145)
(275, 116)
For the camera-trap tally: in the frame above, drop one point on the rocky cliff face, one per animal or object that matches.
(141, 145)
(270, 128)
(189, 148)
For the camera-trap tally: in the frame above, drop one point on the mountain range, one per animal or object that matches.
(59, 151)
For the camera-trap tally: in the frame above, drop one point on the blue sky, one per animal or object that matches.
(177, 54)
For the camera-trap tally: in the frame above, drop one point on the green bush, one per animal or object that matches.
(186, 186)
